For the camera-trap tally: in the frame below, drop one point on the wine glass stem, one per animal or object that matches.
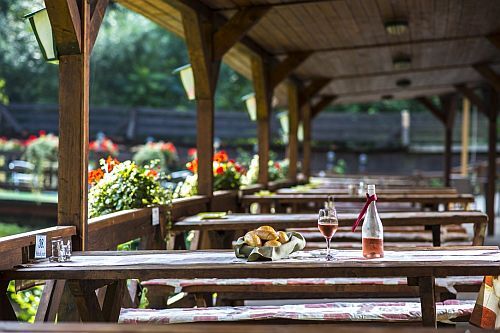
(327, 247)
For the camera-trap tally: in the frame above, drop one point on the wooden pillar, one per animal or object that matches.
(263, 96)
(492, 142)
(199, 32)
(449, 110)
(464, 160)
(306, 146)
(293, 124)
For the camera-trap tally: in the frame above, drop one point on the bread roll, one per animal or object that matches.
(252, 239)
(272, 243)
(283, 237)
(267, 233)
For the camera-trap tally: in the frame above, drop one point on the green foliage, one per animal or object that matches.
(41, 152)
(4, 99)
(7, 229)
(126, 186)
(27, 301)
(164, 152)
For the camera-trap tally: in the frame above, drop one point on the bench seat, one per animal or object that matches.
(447, 311)
(179, 285)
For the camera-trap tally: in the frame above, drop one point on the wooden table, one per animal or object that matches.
(344, 191)
(91, 270)
(435, 220)
(317, 199)
(215, 328)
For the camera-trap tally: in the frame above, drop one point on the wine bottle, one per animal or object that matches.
(372, 233)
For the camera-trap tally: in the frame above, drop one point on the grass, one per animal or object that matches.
(41, 197)
(7, 229)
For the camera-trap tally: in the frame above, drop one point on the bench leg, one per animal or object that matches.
(436, 235)
(6, 310)
(427, 301)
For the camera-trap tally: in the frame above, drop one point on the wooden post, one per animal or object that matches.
(199, 33)
(449, 110)
(293, 124)
(263, 96)
(306, 146)
(464, 163)
(492, 153)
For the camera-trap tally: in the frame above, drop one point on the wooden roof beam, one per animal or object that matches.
(472, 97)
(283, 69)
(321, 104)
(436, 111)
(314, 87)
(65, 20)
(233, 30)
(278, 4)
(97, 12)
(489, 74)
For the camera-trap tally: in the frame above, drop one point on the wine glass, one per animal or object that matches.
(328, 225)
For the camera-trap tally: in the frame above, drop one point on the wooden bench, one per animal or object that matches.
(214, 327)
(373, 312)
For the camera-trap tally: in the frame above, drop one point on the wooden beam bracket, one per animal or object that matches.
(284, 68)
(65, 19)
(437, 112)
(472, 97)
(489, 74)
(321, 104)
(97, 12)
(313, 88)
(233, 30)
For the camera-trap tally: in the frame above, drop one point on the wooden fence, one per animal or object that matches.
(134, 125)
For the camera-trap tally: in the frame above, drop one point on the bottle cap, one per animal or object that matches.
(371, 189)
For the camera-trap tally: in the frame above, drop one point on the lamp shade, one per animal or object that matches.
(187, 78)
(251, 105)
(40, 23)
(300, 132)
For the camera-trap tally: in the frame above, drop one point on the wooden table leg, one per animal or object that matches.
(113, 300)
(427, 301)
(6, 310)
(436, 235)
(86, 300)
(50, 301)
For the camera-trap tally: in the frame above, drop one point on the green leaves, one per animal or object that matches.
(127, 186)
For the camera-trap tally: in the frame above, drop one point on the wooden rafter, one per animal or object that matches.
(313, 88)
(472, 97)
(448, 107)
(66, 25)
(284, 68)
(233, 30)
(279, 4)
(321, 104)
(489, 74)
(97, 12)
(436, 111)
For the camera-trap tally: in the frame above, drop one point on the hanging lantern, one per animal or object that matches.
(40, 23)
(251, 105)
(187, 78)
(283, 119)
(300, 132)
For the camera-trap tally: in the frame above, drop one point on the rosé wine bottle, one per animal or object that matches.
(372, 234)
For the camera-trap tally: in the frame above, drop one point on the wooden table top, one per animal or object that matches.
(284, 221)
(384, 198)
(437, 262)
(205, 327)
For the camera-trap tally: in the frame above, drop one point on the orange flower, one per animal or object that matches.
(192, 166)
(151, 173)
(111, 163)
(95, 176)
(221, 156)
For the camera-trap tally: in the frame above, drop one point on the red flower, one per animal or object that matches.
(192, 152)
(170, 147)
(237, 167)
(42, 133)
(277, 165)
(219, 171)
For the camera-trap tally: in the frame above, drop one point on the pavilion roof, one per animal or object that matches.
(346, 41)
